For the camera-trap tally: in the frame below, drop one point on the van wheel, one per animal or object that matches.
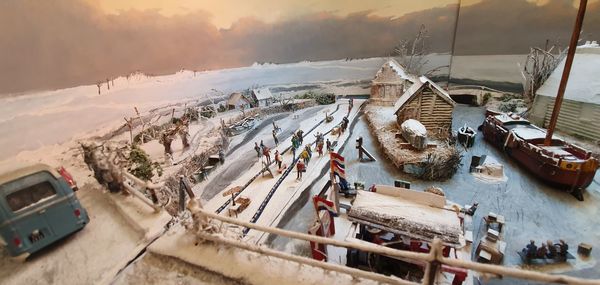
(21, 258)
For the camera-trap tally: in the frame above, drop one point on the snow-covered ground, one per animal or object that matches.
(38, 119)
(43, 126)
(289, 188)
(99, 251)
(44, 118)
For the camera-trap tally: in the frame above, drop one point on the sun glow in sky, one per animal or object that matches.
(226, 12)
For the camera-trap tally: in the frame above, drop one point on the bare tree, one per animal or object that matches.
(412, 52)
(98, 84)
(166, 138)
(539, 65)
(183, 131)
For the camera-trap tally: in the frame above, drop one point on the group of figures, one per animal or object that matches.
(297, 141)
(265, 151)
(343, 126)
(548, 250)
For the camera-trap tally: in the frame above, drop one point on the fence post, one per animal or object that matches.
(182, 190)
(434, 264)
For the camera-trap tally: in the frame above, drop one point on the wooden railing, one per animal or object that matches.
(434, 260)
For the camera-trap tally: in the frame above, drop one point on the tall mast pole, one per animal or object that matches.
(453, 43)
(566, 71)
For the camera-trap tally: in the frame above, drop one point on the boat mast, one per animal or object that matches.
(453, 43)
(566, 71)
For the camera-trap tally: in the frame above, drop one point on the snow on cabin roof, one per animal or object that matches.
(262, 94)
(583, 84)
(416, 87)
(398, 69)
(406, 217)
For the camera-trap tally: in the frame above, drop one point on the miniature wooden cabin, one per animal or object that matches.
(389, 83)
(427, 103)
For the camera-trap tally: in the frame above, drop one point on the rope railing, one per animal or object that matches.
(433, 259)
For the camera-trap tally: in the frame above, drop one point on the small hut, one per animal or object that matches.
(580, 112)
(262, 97)
(237, 101)
(427, 103)
(389, 83)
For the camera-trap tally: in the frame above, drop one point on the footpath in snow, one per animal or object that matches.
(272, 196)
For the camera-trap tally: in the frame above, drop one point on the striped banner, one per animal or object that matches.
(337, 158)
(337, 170)
(321, 204)
(337, 165)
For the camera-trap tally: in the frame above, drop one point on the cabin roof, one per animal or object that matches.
(406, 217)
(14, 170)
(397, 68)
(421, 83)
(235, 97)
(262, 94)
(583, 84)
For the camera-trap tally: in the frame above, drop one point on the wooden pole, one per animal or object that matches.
(143, 124)
(566, 71)
(129, 124)
(453, 43)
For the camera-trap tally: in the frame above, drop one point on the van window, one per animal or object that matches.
(30, 195)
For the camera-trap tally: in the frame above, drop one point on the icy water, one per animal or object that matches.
(532, 209)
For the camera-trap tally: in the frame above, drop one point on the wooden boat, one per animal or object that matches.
(561, 164)
(551, 159)
(242, 126)
(466, 136)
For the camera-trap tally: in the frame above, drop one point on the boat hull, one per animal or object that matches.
(571, 180)
(565, 179)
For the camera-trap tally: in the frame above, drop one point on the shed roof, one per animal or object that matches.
(406, 217)
(397, 68)
(10, 171)
(583, 84)
(261, 94)
(421, 83)
(234, 98)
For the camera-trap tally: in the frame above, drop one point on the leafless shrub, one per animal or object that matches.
(539, 65)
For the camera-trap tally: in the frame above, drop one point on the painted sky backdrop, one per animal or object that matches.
(62, 43)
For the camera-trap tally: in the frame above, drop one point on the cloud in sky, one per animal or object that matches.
(62, 43)
(55, 44)
(224, 13)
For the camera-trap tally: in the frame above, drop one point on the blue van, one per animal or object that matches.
(37, 208)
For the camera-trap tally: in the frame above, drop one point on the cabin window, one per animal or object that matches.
(30, 195)
(587, 112)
